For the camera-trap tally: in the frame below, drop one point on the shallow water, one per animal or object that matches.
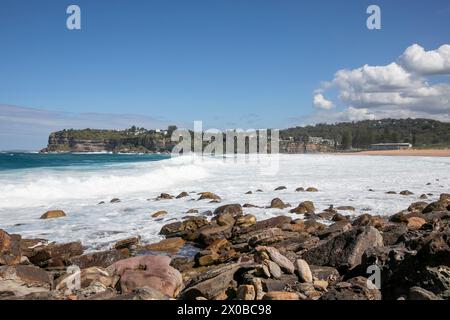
(77, 189)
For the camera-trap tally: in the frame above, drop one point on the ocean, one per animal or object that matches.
(31, 184)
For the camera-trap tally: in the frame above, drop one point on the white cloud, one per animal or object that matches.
(320, 102)
(396, 90)
(417, 60)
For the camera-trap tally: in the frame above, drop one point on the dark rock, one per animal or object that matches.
(301, 189)
(182, 195)
(417, 206)
(418, 293)
(233, 209)
(406, 193)
(304, 207)
(353, 289)
(164, 196)
(211, 233)
(346, 208)
(55, 255)
(434, 206)
(369, 220)
(344, 251)
(339, 217)
(334, 229)
(115, 200)
(280, 188)
(10, 249)
(127, 243)
(208, 195)
(100, 259)
(392, 233)
(278, 204)
(325, 273)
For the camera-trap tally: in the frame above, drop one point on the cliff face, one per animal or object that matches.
(64, 141)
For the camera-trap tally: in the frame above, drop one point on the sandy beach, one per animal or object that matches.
(411, 152)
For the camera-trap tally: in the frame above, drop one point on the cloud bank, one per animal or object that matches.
(401, 89)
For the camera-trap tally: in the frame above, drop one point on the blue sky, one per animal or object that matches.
(230, 63)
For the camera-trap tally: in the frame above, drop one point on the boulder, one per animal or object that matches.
(170, 245)
(89, 277)
(312, 189)
(415, 223)
(114, 200)
(435, 206)
(21, 280)
(55, 255)
(220, 251)
(418, 293)
(182, 195)
(158, 214)
(185, 228)
(392, 233)
(280, 188)
(127, 243)
(346, 208)
(324, 273)
(10, 249)
(339, 217)
(212, 284)
(100, 259)
(304, 207)
(164, 196)
(344, 251)
(245, 221)
(265, 237)
(417, 206)
(148, 271)
(278, 204)
(406, 193)
(211, 233)
(358, 288)
(208, 195)
(53, 214)
(233, 209)
(274, 269)
(369, 220)
(225, 219)
(303, 270)
(300, 189)
(334, 229)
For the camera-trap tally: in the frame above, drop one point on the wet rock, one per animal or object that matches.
(148, 271)
(182, 195)
(406, 193)
(246, 292)
(249, 205)
(164, 196)
(100, 259)
(392, 233)
(423, 196)
(301, 189)
(313, 227)
(280, 188)
(246, 221)
(158, 214)
(20, 280)
(339, 217)
(284, 263)
(434, 206)
(225, 219)
(304, 207)
(281, 295)
(344, 251)
(208, 195)
(185, 228)
(10, 249)
(114, 200)
(391, 192)
(127, 243)
(346, 208)
(52, 214)
(249, 192)
(233, 209)
(170, 245)
(303, 270)
(312, 189)
(55, 255)
(278, 204)
(353, 289)
(192, 211)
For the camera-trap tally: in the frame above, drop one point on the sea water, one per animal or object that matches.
(31, 184)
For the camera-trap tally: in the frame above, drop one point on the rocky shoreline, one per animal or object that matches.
(232, 256)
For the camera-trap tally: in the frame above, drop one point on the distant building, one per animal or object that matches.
(320, 140)
(390, 146)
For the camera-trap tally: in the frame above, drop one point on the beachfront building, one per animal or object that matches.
(390, 146)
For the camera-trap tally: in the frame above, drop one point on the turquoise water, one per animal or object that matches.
(19, 160)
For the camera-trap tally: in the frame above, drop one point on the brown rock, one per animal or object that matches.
(339, 217)
(353, 289)
(55, 255)
(171, 245)
(182, 195)
(417, 206)
(208, 195)
(53, 214)
(211, 233)
(415, 223)
(100, 259)
(346, 208)
(304, 207)
(406, 193)
(246, 221)
(278, 204)
(312, 189)
(334, 229)
(233, 209)
(158, 214)
(285, 264)
(303, 270)
(10, 249)
(127, 243)
(265, 236)
(369, 220)
(164, 196)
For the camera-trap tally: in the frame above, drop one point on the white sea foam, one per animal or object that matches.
(342, 180)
